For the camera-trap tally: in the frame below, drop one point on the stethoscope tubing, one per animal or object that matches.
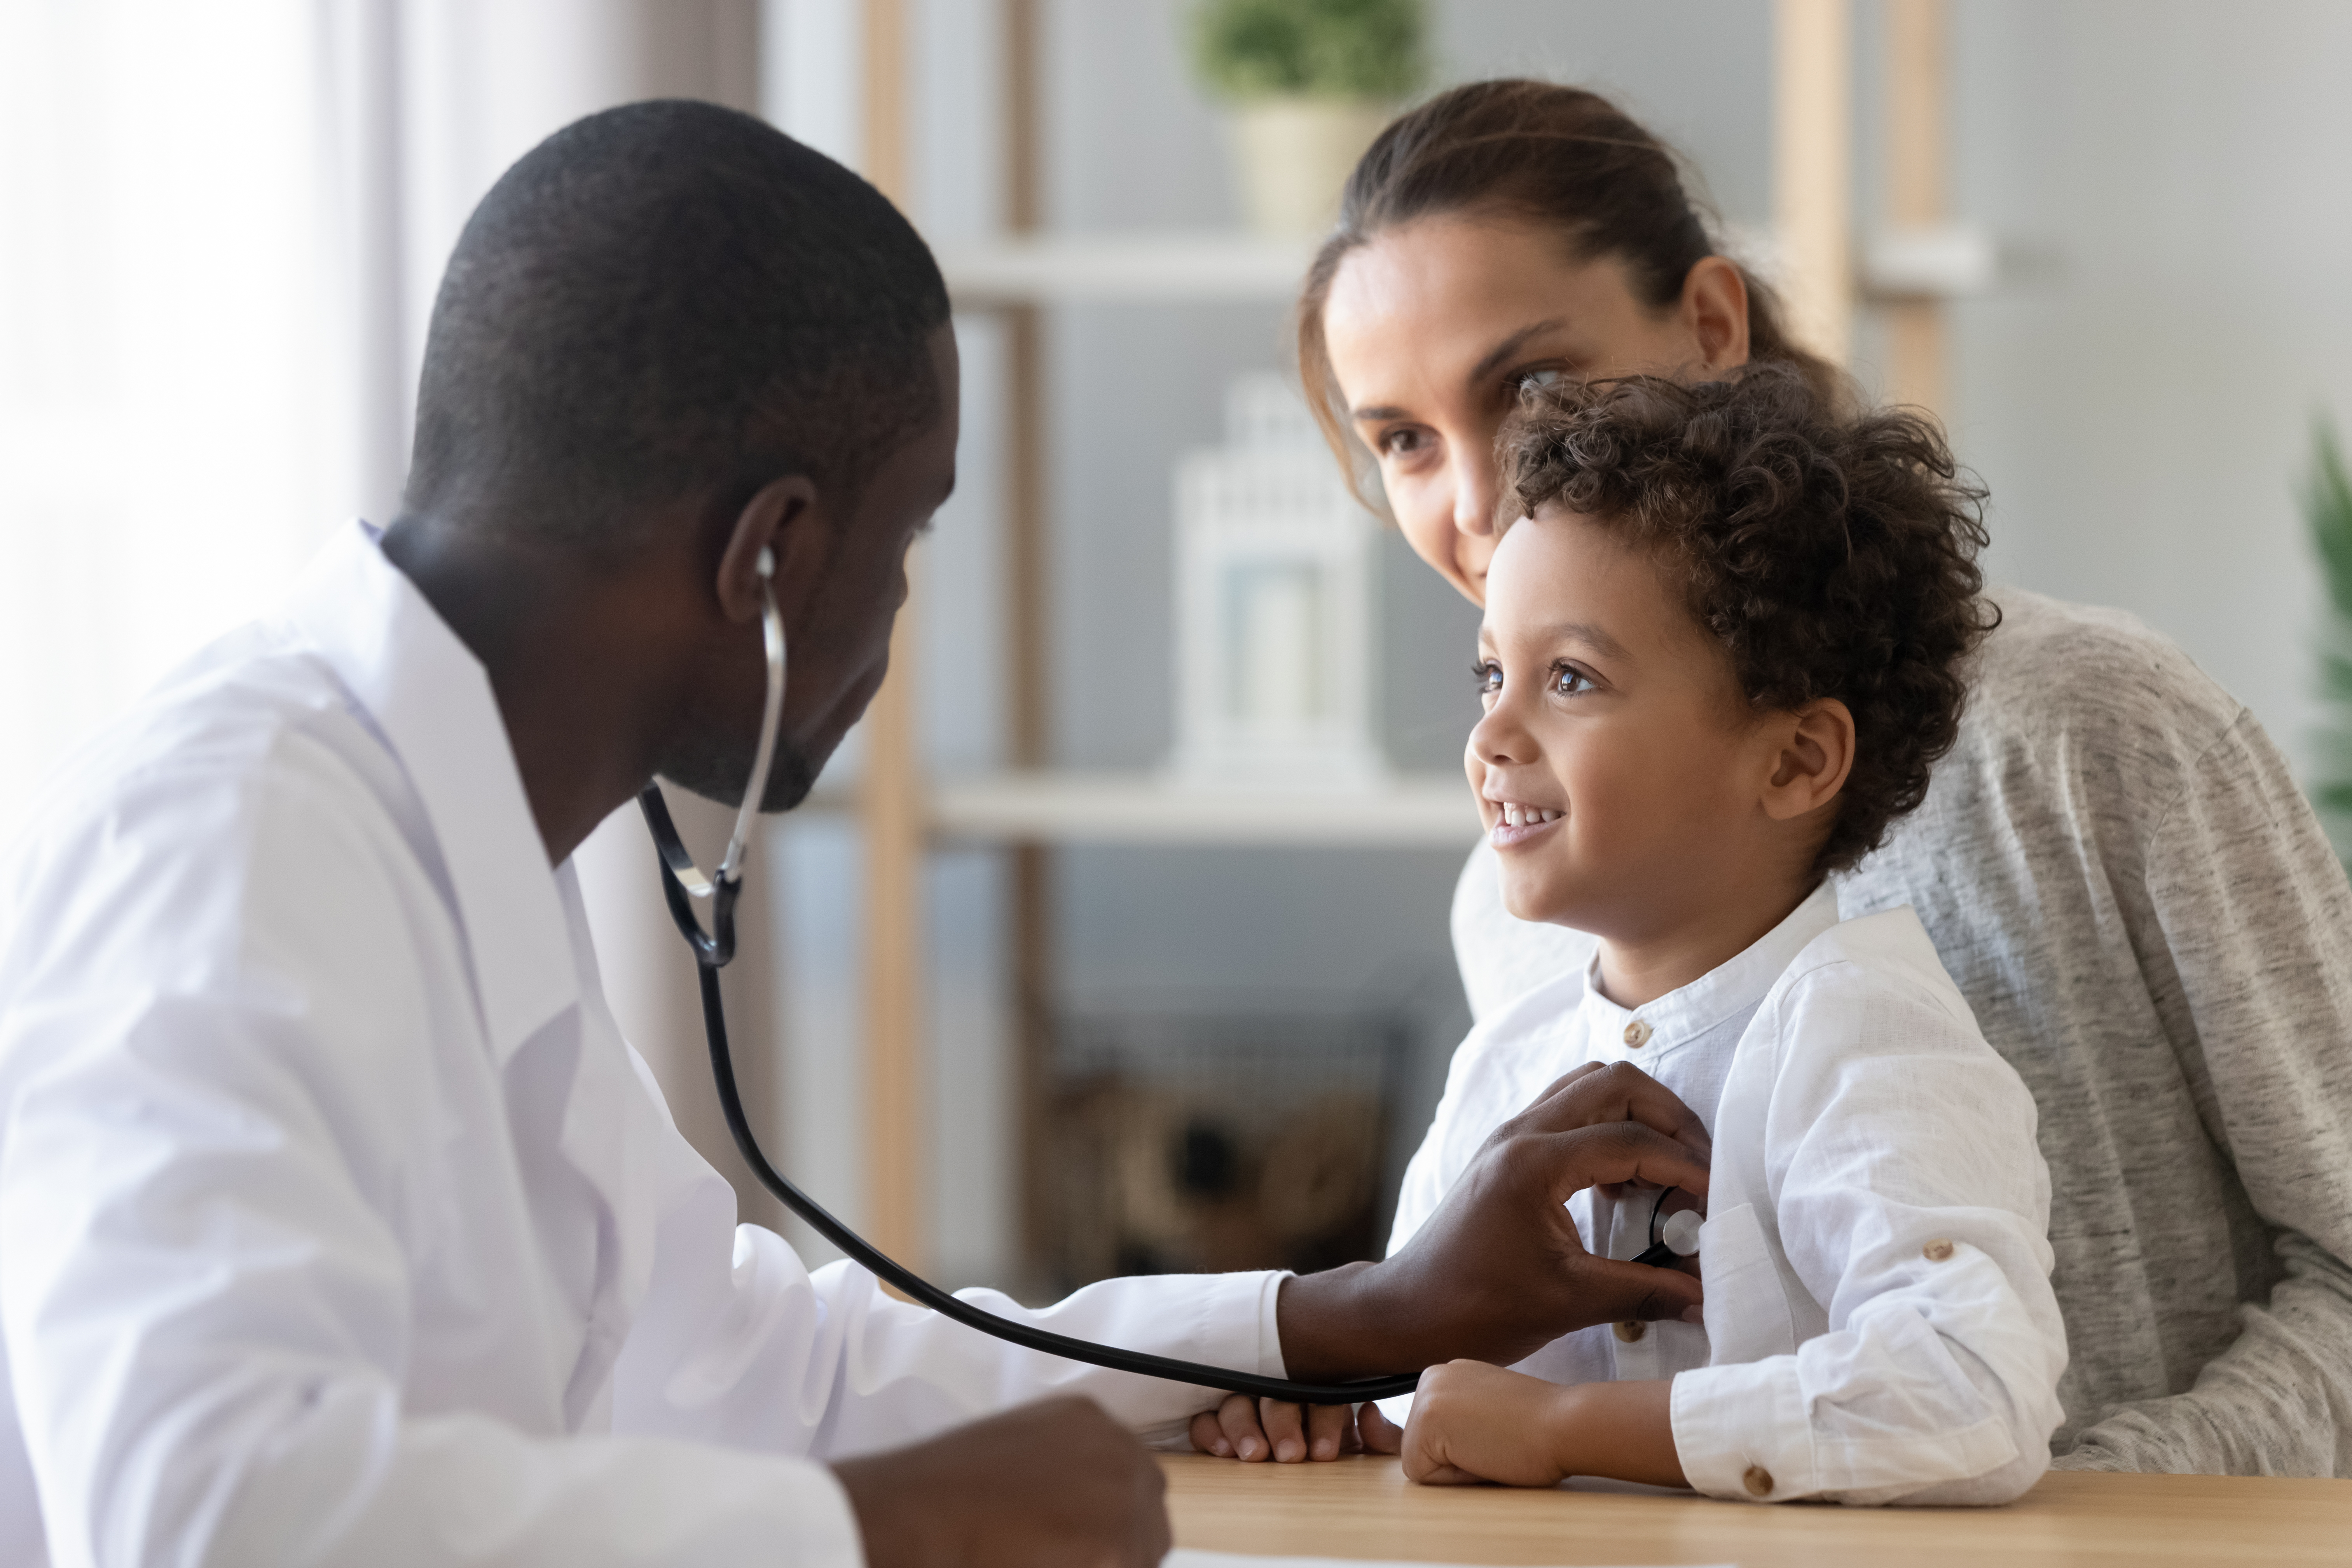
(712, 950)
(682, 882)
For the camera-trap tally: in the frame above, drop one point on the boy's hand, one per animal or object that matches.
(1053, 1483)
(1254, 1429)
(1472, 1422)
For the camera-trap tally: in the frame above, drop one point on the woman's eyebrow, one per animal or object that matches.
(1492, 360)
(1496, 356)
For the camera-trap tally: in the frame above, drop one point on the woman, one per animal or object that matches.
(2113, 862)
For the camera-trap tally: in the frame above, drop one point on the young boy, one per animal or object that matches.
(1722, 648)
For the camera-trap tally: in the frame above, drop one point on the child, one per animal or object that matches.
(1722, 648)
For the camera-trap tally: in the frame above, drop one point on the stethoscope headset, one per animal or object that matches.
(683, 883)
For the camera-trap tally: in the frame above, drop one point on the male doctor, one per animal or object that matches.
(338, 1223)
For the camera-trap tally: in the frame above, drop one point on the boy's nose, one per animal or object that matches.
(1497, 740)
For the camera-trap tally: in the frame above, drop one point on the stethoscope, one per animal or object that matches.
(683, 883)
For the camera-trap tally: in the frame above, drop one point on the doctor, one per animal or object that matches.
(338, 1223)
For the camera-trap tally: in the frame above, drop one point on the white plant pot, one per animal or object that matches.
(1293, 155)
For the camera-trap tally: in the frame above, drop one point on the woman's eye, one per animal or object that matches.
(1570, 682)
(1537, 380)
(1489, 677)
(1397, 443)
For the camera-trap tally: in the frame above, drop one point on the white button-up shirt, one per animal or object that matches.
(337, 1220)
(1879, 1323)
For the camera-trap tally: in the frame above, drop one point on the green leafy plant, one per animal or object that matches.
(1312, 48)
(2327, 508)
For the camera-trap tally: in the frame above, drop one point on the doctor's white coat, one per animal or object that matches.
(336, 1221)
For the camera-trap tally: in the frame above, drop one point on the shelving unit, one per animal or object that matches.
(1032, 809)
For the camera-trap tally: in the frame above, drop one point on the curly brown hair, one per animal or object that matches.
(1830, 554)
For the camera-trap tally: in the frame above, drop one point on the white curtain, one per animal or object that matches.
(178, 422)
(221, 227)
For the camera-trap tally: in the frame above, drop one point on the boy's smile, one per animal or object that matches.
(1627, 786)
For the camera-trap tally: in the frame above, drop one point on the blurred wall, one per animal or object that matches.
(2171, 177)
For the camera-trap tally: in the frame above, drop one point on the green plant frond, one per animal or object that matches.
(2328, 509)
(1322, 49)
(2327, 498)
(2336, 677)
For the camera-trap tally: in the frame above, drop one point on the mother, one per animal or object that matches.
(2114, 861)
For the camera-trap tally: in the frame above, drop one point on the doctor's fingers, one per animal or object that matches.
(1612, 1091)
(1569, 1162)
(1615, 1290)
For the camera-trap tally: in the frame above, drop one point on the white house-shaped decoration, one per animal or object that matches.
(1276, 662)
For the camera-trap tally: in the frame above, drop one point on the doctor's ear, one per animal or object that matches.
(778, 537)
(1814, 752)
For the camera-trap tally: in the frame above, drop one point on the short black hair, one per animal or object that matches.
(661, 297)
(1830, 554)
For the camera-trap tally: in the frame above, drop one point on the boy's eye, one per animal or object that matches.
(1488, 675)
(1570, 681)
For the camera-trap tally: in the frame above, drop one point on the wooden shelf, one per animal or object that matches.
(1170, 267)
(1409, 811)
(1433, 810)
(1935, 261)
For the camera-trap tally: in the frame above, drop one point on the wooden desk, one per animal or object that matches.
(1365, 1508)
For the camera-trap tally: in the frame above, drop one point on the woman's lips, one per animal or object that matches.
(1516, 824)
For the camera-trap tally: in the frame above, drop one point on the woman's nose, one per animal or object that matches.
(1473, 495)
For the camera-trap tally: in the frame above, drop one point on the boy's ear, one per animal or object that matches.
(1815, 755)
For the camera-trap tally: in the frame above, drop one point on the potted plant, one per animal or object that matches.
(1308, 84)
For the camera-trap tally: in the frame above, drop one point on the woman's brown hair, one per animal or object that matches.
(1558, 156)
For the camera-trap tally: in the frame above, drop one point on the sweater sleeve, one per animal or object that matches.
(2250, 961)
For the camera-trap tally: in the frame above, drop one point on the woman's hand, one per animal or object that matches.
(1254, 1429)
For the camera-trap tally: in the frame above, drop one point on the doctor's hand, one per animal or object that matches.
(1048, 1484)
(1499, 1269)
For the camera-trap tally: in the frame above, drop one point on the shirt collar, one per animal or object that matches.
(1732, 987)
(431, 700)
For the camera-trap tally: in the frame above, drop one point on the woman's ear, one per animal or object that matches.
(1815, 755)
(1714, 309)
(782, 522)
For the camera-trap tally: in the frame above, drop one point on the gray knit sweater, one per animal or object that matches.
(2125, 882)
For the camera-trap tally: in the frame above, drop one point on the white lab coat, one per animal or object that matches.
(1879, 1322)
(337, 1220)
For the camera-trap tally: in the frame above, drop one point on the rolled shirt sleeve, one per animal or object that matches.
(1913, 1345)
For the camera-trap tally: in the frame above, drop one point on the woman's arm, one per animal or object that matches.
(2249, 964)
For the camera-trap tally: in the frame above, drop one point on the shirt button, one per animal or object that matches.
(1632, 1332)
(1937, 1252)
(1637, 1034)
(1758, 1480)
